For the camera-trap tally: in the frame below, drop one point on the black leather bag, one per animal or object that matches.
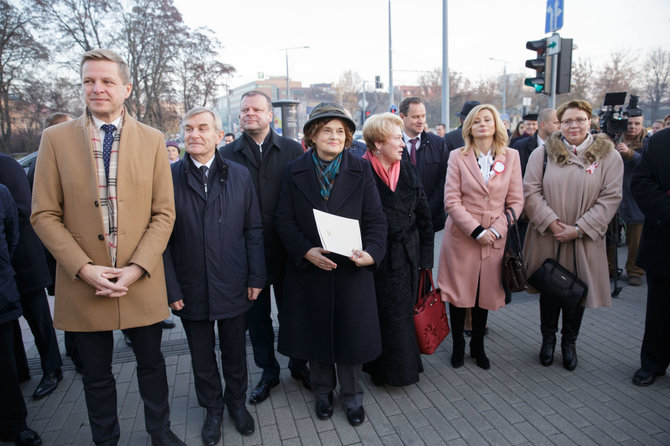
(556, 282)
(514, 274)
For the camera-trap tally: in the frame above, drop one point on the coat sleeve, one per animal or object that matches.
(540, 214)
(423, 223)
(174, 292)
(11, 220)
(153, 242)
(253, 236)
(646, 186)
(595, 220)
(47, 216)
(453, 196)
(374, 226)
(436, 199)
(514, 198)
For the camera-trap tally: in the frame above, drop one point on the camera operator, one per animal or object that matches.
(630, 145)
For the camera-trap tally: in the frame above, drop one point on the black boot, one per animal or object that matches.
(479, 317)
(549, 313)
(571, 326)
(457, 316)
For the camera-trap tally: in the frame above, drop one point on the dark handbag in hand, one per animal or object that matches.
(556, 282)
(513, 270)
(430, 315)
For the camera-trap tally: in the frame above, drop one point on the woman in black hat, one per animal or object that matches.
(329, 311)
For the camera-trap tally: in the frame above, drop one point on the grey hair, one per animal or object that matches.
(218, 124)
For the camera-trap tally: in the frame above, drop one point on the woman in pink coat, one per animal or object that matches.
(483, 179)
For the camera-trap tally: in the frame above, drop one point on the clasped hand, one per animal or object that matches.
(316, 256)
(108, 281)
(563, 232)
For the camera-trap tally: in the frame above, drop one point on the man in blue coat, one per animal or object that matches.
(214, 267)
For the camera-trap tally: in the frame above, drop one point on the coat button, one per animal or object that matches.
(96, 203)
(486, 198)
(101, 237)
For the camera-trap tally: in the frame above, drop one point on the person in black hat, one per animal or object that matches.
(454, 138)
(329, 313)
(529, 128)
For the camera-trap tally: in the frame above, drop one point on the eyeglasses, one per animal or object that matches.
(578, 121)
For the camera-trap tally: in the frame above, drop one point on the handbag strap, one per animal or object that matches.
(574, 256)
(426, 274)
(513, 231)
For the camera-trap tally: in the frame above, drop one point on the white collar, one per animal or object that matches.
(208, 164)
(99, 122)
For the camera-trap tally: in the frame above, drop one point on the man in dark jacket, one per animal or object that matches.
(428, 152)
(547, 123)
(214, 268)
(266, 154)
(651, 188)
(13, 410)
(454, 138)
(32, 276)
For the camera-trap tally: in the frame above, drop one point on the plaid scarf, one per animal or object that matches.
(106, 187)
(326, 172)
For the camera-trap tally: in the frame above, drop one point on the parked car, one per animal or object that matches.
(28, 161)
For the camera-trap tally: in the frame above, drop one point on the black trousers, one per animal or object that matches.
(37, 314)
(262, 335)
(655, 353)
(95, 351)
(232, 343)
(12, 405)
(550, 311)
(324, 378)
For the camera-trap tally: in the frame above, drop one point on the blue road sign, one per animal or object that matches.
(554, 19)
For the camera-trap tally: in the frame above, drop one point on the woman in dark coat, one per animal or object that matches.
(409, 248)
(329, 313)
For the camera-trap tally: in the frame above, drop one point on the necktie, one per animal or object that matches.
(203, 174)
(412, 153)
(109, 130)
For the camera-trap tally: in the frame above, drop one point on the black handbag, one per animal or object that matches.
(514, 275)
(556, 282)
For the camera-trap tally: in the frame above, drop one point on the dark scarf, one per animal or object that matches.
(326, 172)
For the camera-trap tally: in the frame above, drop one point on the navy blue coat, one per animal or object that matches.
(432, 157)
(10, 303)
(216, 248)
(329, 316)
(29, 261)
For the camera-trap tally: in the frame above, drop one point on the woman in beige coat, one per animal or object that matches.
(483, 178)
(571, 201)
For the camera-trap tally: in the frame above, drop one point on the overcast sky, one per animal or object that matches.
(353, 34)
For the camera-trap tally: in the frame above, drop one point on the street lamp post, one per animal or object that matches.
(504, 98)
(286, 50)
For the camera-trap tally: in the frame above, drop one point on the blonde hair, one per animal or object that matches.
(499, 137)
(378, 128)
(104, 54)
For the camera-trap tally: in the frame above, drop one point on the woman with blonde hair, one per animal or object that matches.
(483, 179)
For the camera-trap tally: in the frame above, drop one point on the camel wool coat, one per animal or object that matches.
(67, 217)
(583, 190)
(470, 203)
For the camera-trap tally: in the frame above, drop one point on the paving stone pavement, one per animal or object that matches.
(516, 402)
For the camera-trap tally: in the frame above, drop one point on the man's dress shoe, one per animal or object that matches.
(262, 390)
(48, 384)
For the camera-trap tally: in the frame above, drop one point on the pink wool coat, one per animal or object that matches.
(470, 202)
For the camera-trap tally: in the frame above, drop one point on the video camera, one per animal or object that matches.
(614, 122)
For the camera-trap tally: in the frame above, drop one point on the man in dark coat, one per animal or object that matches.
(13, 410)
(529, 128)
(547, 123)
(428, 152)
(265, 154)
(454, 138)
(651, 188)
(32, 277)
(214, 268)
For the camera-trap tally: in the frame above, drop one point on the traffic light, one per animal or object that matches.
(564, 67)
(542, 66)
(367, 114)
(378, 82)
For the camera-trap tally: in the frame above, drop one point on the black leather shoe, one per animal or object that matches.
(569, 357)
(211, 429)
(645, 378)
(25, 437)
(243, 421)
(324, 408)
(355, 416)
(166, 438)
(48, 384)
(302, 375)
(167, 324)
(547, 352)
(262, 390)
(482, 361)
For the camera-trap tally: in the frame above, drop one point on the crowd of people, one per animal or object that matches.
(136, 229)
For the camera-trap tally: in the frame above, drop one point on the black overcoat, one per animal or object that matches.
(29, 261)
(216, 248)
(525, 147)
(651, 189)
(267, 178)
(432, 158)
(454, 139)
(329, 316)
(10, 303)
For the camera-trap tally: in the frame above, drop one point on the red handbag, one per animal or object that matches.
(430, 316)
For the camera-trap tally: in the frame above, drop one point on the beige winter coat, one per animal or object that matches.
(584, 190)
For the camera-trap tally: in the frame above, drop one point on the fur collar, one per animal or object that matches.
(558, 153)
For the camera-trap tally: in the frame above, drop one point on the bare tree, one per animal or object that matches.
(19, 51)
(348, 89)
(657, 80)
(618, 74)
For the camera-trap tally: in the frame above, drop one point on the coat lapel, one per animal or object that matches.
(473, 166)
(346, 183)
(305, 179)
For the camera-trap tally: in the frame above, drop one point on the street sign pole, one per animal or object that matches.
(553, 48)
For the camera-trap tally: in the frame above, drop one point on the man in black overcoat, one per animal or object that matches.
(454, 138)
(651, 189)
(266, 154)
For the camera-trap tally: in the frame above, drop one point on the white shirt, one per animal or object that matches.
(99, 123)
